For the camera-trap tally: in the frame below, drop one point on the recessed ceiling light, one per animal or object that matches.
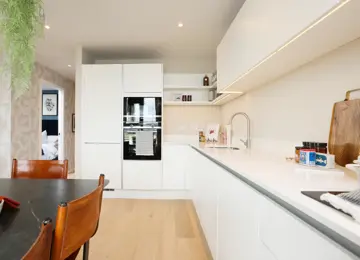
(69, 66)
(47, 26)
(180, 24)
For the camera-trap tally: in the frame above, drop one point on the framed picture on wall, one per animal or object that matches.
(50, 104)
(73, 123)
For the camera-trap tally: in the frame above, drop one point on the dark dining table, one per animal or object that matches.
(38, 199)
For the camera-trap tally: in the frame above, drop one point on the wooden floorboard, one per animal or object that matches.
(148, 230)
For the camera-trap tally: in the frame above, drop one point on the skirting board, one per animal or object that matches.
(147, 194)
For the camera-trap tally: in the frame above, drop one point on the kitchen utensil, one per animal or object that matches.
(344, 137)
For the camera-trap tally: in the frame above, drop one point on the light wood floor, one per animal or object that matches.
(148, 230)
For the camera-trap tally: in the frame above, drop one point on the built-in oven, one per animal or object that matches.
(142, 126)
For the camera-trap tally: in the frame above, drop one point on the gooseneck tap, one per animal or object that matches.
(247, 142)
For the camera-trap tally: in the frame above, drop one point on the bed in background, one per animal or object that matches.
(49, 146)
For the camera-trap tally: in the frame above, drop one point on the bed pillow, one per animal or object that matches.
(44, 137)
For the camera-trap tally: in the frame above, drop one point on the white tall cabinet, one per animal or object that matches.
(143, 78)
(101, 119)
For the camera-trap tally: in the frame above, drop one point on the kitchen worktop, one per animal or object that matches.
(284, 181)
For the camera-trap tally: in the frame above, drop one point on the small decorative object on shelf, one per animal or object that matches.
(206, 81)
(214, 78)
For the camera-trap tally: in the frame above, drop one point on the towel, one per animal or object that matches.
(348, 202)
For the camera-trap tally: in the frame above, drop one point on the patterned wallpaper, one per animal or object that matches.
(5, 125)
(26, 117)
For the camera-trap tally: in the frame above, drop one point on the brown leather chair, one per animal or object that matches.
(39, 169)
(76, 223)
(41, 248)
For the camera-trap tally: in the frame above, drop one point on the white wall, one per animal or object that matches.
(298, 106)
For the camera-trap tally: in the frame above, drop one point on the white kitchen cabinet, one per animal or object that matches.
(238, 224)
(143, 78)
(204, 185)
(101, 103)
(142, 175)
(260, 28)
(174, 166)
(288, 237)
(102, 158)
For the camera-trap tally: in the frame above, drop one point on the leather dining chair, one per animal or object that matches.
(39, 169)
(41, 248)
(76, 222)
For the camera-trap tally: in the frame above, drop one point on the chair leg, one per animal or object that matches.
(86, 250)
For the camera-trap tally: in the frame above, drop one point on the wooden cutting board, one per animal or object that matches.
(344, 138)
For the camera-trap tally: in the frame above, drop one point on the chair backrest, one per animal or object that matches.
(39, 169)
(41, 248)
(76, 223)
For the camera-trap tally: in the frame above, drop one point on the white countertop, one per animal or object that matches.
(286, 180)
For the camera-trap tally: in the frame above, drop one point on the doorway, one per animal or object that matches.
(52, 122)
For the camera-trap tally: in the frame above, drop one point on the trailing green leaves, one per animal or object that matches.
(21, 23)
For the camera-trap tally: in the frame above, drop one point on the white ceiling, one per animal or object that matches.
(143, 29)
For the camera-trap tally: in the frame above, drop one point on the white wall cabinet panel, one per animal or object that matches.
(142, 175)
(143, 78)
(102, 158)
(288, 237)
(174, 162)
(260, 28)
(101, 102)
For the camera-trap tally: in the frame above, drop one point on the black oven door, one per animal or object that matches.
(139, 110)
(142, 143)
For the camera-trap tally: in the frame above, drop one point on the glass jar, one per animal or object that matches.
(297, 153)
(321, 147)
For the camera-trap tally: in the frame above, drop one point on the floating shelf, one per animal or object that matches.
(333, 30)
(170, 87)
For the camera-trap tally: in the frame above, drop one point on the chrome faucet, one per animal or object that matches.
(247, 142)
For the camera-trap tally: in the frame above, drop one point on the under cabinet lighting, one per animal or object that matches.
(340, 5)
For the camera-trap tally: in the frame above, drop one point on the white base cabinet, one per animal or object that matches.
(142, 175)
(288, 237)
(241, 223)
(174, 166)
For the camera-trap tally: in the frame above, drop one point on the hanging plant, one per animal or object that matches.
(21, 23)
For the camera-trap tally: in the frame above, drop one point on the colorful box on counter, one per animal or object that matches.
(325, 160)
(308, 157)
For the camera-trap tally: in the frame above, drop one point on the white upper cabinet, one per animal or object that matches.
(101, 103)
(143, 78)
(261, 28)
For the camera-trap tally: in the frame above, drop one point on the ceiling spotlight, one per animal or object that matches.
(47, 26)
(69, 66)
(180, 24)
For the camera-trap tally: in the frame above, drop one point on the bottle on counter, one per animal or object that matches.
(297, 153)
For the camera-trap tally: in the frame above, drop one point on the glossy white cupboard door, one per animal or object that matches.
(142, 175)
(260, 28)
(101, 103)
(206, 185)
(174, 161)
(288, 237)
(238, 225)
(143, 78)
(102, 158)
